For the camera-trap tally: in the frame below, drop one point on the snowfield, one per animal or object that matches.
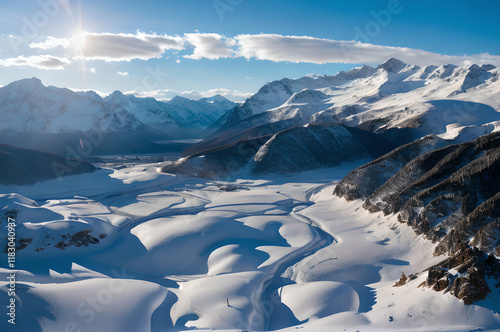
(175, 253)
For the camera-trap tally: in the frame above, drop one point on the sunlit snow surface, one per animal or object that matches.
(283, 252)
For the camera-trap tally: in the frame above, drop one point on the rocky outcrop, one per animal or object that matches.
(80, 238)
(465, 274)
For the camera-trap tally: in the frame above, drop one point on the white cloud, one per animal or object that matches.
(51, 42)
(297, 49)
(209, 45)
(271, 47)
(37, 61)
(92, 70)
(178, 61)
(123, 47)
(123, 73)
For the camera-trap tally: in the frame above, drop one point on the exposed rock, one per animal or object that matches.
(21, 244)
(464, 274)
(227, 187)
(80, 238)
(401, 281)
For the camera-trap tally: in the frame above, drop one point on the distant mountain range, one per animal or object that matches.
(50, 118)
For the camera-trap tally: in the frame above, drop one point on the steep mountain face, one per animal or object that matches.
(300, 149)
(379, 171)
(220, 162)
(399, 101)
(32, 113)
(295, 149)
(27, 167)
(146, 110)
(449, 195)
(55, 107)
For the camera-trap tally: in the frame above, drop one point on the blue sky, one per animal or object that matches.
(160, 48)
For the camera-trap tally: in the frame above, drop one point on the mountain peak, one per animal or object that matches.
(216, 98)
(392, 65)
(178, 99)
(28, 83)
(115, 96)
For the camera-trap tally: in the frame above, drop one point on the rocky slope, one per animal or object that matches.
(448, 194)
(295, 149)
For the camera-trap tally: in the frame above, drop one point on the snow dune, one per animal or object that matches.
(177, 253)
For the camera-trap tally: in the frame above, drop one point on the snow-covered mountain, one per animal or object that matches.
(31, 110)
(453, 102)
(174, 115)
(29, 106)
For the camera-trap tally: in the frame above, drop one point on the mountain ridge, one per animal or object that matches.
(392, 97)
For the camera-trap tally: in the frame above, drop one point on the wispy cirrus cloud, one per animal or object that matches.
(46, 62)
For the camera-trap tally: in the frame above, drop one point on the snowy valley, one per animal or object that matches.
(362, 201)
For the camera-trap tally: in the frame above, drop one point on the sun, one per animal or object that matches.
(78, 42)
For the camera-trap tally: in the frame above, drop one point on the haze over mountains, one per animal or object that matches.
(50, 118)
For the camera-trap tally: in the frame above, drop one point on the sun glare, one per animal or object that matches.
(78, 42)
